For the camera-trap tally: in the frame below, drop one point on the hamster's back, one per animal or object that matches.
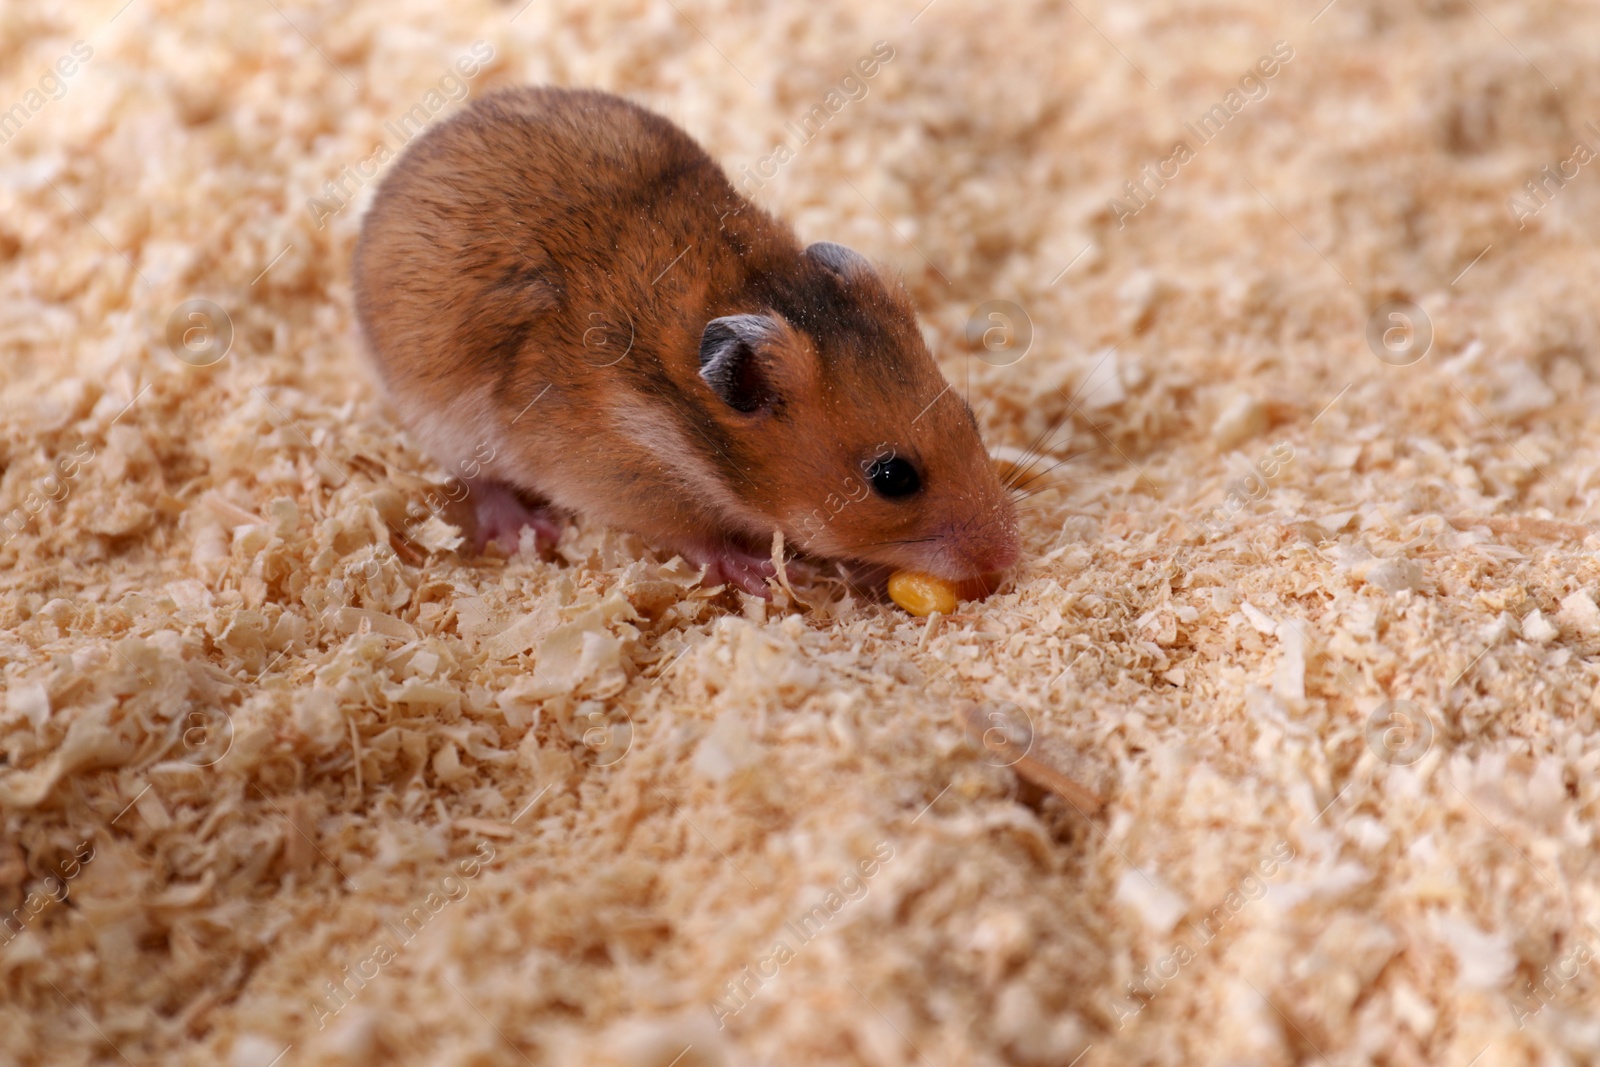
(495, 217)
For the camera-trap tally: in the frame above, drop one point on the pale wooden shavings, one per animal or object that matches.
(650, 785)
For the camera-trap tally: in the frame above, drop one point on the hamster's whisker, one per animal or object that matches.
(1031, 493)
(1044, 508)
(1081, 452)
(986, 402)
(1020, 493)
(1034, 452)
(1020, 476)
(1029, 455)
(1021, 486)
(1029, 452)
(1077, 483)
(911, 541)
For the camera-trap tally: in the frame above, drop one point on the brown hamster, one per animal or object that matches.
(567, 283)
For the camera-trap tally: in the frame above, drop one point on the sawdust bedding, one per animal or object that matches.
(1320, 628)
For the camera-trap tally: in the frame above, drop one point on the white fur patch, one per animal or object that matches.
(454, 434)
(657, 431)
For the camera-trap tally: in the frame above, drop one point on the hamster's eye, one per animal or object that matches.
(893, 477)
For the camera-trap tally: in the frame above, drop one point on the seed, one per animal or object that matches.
(922, 594)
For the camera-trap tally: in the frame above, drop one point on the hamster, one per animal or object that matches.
(567, 283)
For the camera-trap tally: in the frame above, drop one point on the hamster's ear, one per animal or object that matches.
(847, 263)
(732, 362)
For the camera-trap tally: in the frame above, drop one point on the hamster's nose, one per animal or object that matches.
(990, 549)
(997, 555)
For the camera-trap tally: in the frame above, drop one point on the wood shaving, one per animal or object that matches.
(333, 790)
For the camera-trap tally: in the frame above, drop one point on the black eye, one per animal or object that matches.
(893, 477)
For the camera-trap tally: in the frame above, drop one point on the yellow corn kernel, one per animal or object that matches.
(922, 594)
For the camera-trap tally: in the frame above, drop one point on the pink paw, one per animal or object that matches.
(502, 513)
(728, 564)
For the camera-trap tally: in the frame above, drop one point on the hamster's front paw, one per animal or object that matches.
(730, 564)
(501, 512)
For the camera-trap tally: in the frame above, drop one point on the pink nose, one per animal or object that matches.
(985, 550)
(995, 553)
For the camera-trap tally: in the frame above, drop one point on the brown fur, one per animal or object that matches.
(512, 252)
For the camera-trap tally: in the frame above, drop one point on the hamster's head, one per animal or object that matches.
(842, 431)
